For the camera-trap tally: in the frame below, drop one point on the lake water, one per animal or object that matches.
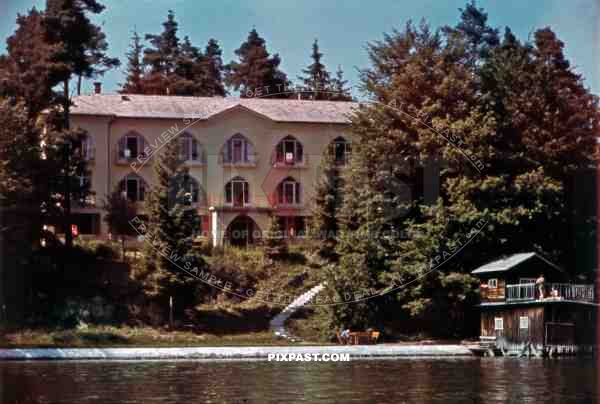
(419, 380)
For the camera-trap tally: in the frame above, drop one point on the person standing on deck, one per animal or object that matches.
(539, 283)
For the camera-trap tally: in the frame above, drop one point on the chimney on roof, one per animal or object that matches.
(97, 87)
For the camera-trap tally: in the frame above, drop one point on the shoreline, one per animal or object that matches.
(242, 352)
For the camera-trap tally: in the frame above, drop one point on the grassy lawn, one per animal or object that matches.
(110, 336)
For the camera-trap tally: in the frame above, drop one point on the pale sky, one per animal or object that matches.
(343, 27)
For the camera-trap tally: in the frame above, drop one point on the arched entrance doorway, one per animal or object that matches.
(242, 231)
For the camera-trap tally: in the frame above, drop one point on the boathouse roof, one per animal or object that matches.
(512, 262)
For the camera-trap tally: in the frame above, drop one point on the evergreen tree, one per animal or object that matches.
(328, 200)
(188, 76)
(80, 45)
(212, 67)
(179, 68)
(474, 33)
(161, 58)
(26, 76)
(173, 223)
(20, 218)
(78, 50)
(527, 155)
(256, 71)
(97, 57)
(120, 211)
(316, 78)
(135, 68)
(21, 168)
(32, 178)
(338, 89)
(275, 244)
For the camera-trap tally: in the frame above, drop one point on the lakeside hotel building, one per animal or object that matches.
(247, 158)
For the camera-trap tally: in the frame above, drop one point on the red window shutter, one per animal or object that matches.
(142, 146)
(206, 225)
(122, 146)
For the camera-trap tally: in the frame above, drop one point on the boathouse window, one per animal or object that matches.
(524, 323)
(498, 324)
(493, 283)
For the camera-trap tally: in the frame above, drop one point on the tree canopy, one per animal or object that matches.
(503, 125)
(256, 71)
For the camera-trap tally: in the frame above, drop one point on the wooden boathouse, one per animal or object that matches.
(529, 307)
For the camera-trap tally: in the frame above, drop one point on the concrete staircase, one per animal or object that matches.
(277, 323)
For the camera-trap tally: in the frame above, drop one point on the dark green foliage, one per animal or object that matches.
(317, 82)
(135, 68)
(338, 86)
(171, 66)
(327, 204)
(81, 49)
(518, 108)
(162, 55)
(120, 211)
(161, 58)
(212, 67)
(274, 240)
(256, 71)
(25, 69)
(316, 77)
(173, 224)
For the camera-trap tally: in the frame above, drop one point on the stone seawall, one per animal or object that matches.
(355, 351)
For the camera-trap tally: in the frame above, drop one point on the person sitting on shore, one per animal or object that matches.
(345, 335)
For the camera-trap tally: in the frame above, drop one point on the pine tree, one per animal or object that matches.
(173, 223)
(80, 45)
(212, 69)
(382, 195)
(528, 157)
(97, 57)
(328, 200)
(256, 72)
(338, 89)
(275, 244)
(135, 68)
(120, 211)
(179, 68)
(26, 75)
(161, 58)
(79, 50)
(21, 169)
(188, 75)
(316, 78)
(474, 33)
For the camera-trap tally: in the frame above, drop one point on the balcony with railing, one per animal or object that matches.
(552, 291)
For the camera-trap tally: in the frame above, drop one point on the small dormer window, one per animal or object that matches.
(493, 283)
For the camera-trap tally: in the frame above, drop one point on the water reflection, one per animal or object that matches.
(376, 381)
